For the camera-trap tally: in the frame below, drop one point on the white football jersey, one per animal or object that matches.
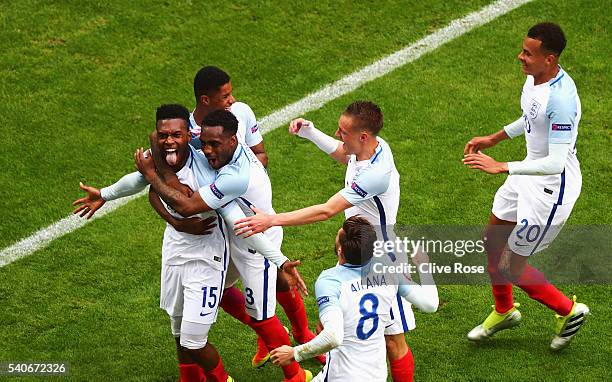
(248, 129)
(180, 247)
(365, 302)
(372, 187)
(551, 112)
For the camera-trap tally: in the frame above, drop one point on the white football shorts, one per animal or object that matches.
(257, 274)
(539, 218)
(192, 290)
(402, 317)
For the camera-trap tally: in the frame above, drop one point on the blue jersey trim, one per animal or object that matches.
(383, 223)
(191, 153)
(220, 223)
(400, 306)
(265, 289)
(557, 79)
(562, 188)
(327, 366)
(239, 154)
(377, 153)
(552, 212)
(347, 265)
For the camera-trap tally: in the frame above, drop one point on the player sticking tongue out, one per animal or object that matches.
(173, 140)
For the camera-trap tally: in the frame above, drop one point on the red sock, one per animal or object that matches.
(189, 372)
(502, 288)
(293, 305)
(218, 374)
(402, 370)
(274, 335)
(233, 303)
(538, 288)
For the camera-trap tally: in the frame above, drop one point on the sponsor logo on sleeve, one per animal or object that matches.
(358, 190)
(254, 129)
(561, 127)
(216, 191)
(322, 300)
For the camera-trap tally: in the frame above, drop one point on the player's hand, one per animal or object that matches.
(282, 356)
(420, 257)
(251, 225)
(144, 162)
(196, 225)
(477, 144)
(297, 124)
(89, 204)
(294, 279)
(483, 162)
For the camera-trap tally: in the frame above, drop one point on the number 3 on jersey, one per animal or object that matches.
(367, 315)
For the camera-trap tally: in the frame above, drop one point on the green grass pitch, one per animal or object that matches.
(79, 83)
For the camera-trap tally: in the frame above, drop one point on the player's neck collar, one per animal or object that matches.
(558, 77)
(237, 153)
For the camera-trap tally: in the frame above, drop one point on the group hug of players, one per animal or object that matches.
(208, 181)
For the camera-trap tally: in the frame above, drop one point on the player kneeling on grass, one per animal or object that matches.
(354, 308)
(536, 199)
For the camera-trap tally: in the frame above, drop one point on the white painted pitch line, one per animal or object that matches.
(313, 101)
(43, 237)
(389, 63)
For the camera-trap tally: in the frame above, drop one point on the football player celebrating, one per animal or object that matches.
(371, 190)
(238, 175)
(354, 307)
(213, 90)
(193, 266)
(536, 200)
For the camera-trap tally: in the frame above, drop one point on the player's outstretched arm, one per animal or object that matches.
(424, 296)
(193, 225)
(306, 129)
(184, 205)
(261, 221)
(231, 213)
(129, 184)
(90, 203)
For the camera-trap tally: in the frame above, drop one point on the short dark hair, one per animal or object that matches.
(223, 118)
(368, 115)
(172, 111)
(207, 80)
(551, 35)
(357, 240)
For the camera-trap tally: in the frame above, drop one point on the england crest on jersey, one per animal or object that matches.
(533, 109)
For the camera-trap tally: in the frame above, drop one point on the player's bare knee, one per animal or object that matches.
(505, 266)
